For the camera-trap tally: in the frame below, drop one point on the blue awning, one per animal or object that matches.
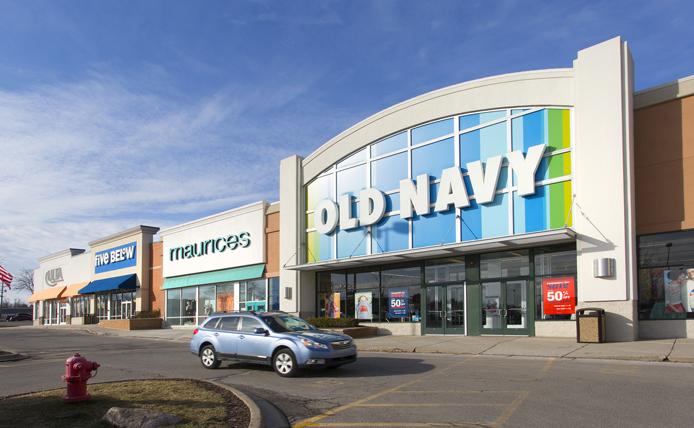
(125, 282)
(216, 277)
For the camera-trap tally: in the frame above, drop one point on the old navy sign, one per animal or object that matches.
(116, 258)
(416, 197)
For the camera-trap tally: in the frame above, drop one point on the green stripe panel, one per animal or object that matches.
(227, 275)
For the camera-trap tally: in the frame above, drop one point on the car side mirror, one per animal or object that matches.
(260, 330)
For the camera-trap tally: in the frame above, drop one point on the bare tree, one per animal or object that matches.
(24, 281)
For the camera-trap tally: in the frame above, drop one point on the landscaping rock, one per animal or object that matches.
(139, 418)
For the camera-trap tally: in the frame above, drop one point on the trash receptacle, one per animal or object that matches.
(590, 325)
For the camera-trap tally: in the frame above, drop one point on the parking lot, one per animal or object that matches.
(394, 389)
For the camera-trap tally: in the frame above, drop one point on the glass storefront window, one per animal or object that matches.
(255, 290)
(205, 302)
(188, 305)
(400, 304)
(173, 307)
(554, 262)
(274, 294)
(505, 264)
(225, 297)
(445, 270)
(666, 275)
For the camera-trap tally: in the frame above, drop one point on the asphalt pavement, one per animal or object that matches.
(668, 350)
(665, 350)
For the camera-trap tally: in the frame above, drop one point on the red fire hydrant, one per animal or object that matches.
(77, 371)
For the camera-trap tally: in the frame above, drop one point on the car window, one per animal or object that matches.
(285, 323)
(229, 323)
(249, 324)
(211, 323)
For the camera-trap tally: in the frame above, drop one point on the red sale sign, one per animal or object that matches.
(559, 296)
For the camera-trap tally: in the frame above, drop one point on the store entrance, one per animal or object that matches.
(505, 308)
(62, 313)
(445, 309)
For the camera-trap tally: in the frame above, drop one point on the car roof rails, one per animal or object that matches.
(233, 312)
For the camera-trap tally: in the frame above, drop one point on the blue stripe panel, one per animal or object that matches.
(390, 234)
(387, 172)
(518, 214)
(352, 181)
(433, 158)
(432, 228)
(534, 129)
(469, 149)
(542, 172)
(396, 142)
(327, 249)
(432, 131)
(503, 179)
(348, 240)
(471, 222)
(536, 218)
(393, 202)
(493, 141)
(495, 217)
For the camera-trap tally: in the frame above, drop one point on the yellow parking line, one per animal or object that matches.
(512, 408)
(455, 392)
(548, 365)
(436, 405)
(310, 422)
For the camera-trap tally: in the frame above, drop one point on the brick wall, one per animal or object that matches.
(157, 296)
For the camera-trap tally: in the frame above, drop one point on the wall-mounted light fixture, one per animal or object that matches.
(287, 293)
(603, 268)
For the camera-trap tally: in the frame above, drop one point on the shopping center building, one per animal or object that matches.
(497, 206)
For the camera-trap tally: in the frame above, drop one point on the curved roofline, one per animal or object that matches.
(522, 89)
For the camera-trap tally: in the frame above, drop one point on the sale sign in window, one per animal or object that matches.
(398, 303)
(559, 296)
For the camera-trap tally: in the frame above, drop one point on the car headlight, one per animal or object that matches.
(313, 344)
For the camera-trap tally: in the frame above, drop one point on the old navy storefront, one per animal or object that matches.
(424, 190)
(462, 211)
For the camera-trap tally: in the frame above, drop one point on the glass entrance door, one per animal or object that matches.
(445, 309)
(505, 307)
(62, 313)
(126, 309)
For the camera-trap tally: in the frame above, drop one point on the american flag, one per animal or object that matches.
(5, 277)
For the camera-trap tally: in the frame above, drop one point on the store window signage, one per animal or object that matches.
(116, 258)
(559, 296)
(415, 197)
(211, 246)
(54, 276)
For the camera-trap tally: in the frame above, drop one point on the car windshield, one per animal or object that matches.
(286, 323)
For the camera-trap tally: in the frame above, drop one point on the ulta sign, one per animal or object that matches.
(415, 197)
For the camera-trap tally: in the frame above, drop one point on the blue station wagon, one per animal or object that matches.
(284, 341)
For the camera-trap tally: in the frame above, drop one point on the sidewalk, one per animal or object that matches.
(673, 350)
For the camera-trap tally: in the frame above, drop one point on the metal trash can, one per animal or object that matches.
(590, 327)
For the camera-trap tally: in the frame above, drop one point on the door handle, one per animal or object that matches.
(216, 334)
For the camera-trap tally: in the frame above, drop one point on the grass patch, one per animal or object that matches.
(199, 403)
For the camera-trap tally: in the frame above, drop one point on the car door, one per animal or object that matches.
(227, 336)
(251, 346)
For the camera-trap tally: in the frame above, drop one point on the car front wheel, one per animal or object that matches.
(208, 358)
(284, 363)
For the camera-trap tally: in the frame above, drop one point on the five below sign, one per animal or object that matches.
(415, 198)
(116, 258)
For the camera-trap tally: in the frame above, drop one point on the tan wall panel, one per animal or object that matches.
(664, 158)
(272, 234)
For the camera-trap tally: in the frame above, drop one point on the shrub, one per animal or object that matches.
(148, 314)
(325, 322)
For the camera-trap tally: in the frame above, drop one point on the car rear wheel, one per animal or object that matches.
(284, 363)
(208, 358)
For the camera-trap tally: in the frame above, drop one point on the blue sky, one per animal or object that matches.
(120, 113)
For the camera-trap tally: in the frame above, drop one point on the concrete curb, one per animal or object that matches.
(13, 357)
(257, 418)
